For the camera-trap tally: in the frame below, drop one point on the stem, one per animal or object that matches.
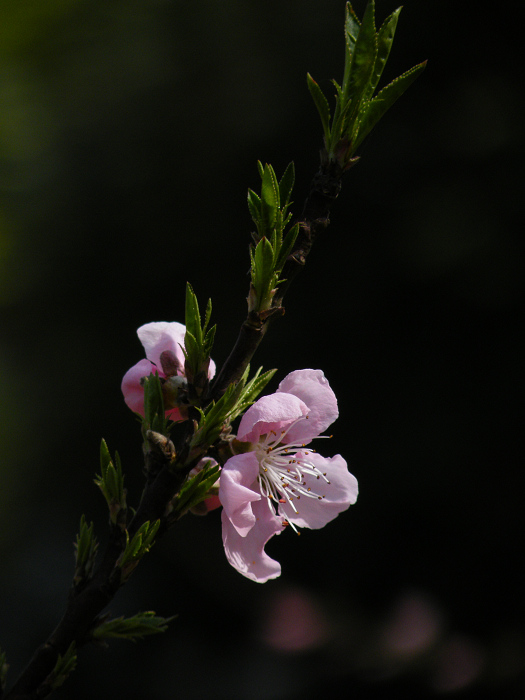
(86, 603)
(324, 190)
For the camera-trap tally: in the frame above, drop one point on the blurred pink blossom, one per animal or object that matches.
(294, 622)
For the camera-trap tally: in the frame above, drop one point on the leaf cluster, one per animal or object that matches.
(154, 412)
(195, 489)
(64, 666)
(86, 547)
(198, 343)
(215, 419)
(140, 625)
(111, 483)
(357, 110)
(272, 245)
(137, 547)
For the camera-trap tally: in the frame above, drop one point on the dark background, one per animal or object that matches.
(129, 133)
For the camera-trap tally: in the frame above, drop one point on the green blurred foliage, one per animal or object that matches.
(129, 134)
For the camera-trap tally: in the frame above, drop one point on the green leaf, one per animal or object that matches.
(192, 315)
(286, 184)
(198, 342)
(196, 488)
(111, 483)
(140, 625)
(385, 39)
(207, 316)
(362, 65)
(264, 258)
(251, 391)
(85, 551)
(352, 26)
(286, 247)
(105, 457)
(269, 197)
(64, 666)
(384, 100)
(154, 414)
(254, 205)
(322, 105)
(216, 417)
(140, 544)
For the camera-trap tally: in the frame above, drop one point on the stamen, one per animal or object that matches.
(280, 481)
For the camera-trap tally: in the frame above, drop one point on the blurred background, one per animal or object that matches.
(129, 133)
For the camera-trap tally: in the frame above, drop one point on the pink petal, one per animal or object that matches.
(339, 494)
(311, 387)
(134, 391)
(160, 336)
(246, 554)
(236, 494)
(212, 502)
(132, 388)
(175, 415)
(275, 412)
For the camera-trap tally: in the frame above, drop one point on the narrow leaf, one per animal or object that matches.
(287, 246)
(105, 457)
(321, 103)
(286, 184)
(132, 628)
(207, 316)
(385, 39)
(192, 316)
(352, 26)
(362, 66)
(384, 100)
(254, 206)
(269, 196)
(63, 667)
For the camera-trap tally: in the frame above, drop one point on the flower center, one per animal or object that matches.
(282, 473)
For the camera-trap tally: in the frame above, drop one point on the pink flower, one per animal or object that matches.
(276, 470)
(163, 343)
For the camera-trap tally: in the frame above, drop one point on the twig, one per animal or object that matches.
(324, 190)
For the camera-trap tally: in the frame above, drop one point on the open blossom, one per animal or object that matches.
(278, 481)
(163, 343)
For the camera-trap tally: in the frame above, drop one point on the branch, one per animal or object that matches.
(87, 603)
(324, 190)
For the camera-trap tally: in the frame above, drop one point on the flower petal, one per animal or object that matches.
(134, 391)
(246, 554)
(312, 387)
(275, 412)
(132, 388)
(339, 494)
(236, 494)
(161, 336)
